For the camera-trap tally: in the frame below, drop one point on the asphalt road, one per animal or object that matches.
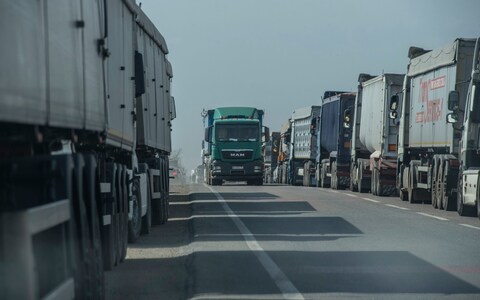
(284, 242)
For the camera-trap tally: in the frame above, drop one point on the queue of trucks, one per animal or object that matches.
(85, 122)
(415, 135)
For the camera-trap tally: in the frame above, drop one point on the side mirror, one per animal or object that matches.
(394, 102)
(347, 118)
(208, 134)
(173, 109)
(393, 115)
(206, 152)
(286, 139)
(139, 75)
(452, 118)
(266, 134)
(453, 100)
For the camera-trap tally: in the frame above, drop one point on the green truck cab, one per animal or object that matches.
(232, 148)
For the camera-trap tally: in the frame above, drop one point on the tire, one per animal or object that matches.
(147, 219)
(373, 181)
(123, 230)
(92, 193)
(334, 181)
(109, 236)
(81, 234)
(434, 184)
(411, 191)
(403, 195)
(135, 224)
(447, 198)
(440, 184)
(463, 210)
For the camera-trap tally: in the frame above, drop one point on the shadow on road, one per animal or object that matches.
(233, 196)
(254, 207)
(374, 272)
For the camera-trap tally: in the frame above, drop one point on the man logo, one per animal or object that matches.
(237, 154)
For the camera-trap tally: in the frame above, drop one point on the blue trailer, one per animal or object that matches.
(334, 142)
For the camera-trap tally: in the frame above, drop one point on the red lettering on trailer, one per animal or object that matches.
(432, 109)
(437, 83)
(419, 117)
(423, 91)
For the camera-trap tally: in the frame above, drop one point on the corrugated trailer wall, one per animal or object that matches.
(167, 108)
(153, 107)
(120, 86)
(434, 75)
(329, 127)
(160, 75)
(49, 74)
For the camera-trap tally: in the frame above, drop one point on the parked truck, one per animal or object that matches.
(281, 171)
(334, 141)
(374, 142)
(270, 154)
(438, 138)
(232, 148)
(303, 144)
(468, 185)
(85, 121)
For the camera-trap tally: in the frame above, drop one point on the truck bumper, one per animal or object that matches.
(237, 171)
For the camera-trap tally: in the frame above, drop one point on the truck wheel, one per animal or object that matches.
(135, 224)
(448, 200)
(81, 237)
(403, 195)
(434, 184)
(124, 213)
(412, 193)
(109, 231)
(463, 210)
(147, 219)
(440, 184)
(373, 181)
(334, 181)
(92, 192)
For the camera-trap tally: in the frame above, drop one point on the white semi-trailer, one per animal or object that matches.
(303, 145)
(374, 141)
(431, 150)
(85, 120)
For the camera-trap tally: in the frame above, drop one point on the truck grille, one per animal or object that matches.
(237, 154)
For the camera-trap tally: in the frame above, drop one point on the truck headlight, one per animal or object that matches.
(217, 168)
(257, 169)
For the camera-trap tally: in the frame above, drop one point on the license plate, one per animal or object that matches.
(237, 167)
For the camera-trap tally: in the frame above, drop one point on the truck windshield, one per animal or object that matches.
(236, 132)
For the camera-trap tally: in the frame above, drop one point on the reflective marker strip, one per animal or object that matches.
(107, 219)
(105, 187)
(432, 216)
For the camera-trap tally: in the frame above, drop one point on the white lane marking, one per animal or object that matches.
(287, 288)
(399, 207)
(470, 226)
(334, 191)
(371, 200)
(432, 216)
(351, 195)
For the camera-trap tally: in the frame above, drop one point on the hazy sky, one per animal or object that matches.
(279, 55)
